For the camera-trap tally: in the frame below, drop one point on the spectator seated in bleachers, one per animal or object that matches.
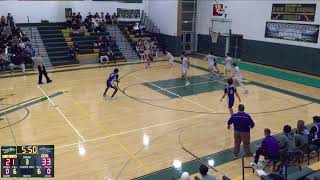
(314, 141)
(24, 38)
(105, 42)
(302, 134)
(78, 17)
(111, 55)
(17, 61)
(103, 57)
(3, 60)
(203, 170)
(290, 147)
(14, 46)
(108, 18)
(90, 23)
(185, 176)
(75, 26)
(89, 15)
(269, 148)
(101, 42)
(106, 55)
(96, 15)
(287, 142)
(69, 22)
(74, 50)
(3, 21)
(114, 18)
(10, 21)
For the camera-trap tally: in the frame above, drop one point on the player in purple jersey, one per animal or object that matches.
(230, 90)
(113, 77)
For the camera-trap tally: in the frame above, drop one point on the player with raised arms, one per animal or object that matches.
(212, 64)
(185, 65)
(230, 90)
(113, 77)
(170, 57)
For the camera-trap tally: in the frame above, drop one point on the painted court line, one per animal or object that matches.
(215, 80)
(209, 109)
(62, 114)
(134, 130)
(85, 113)
(174, 87)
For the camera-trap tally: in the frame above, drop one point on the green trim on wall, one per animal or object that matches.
(296, 58)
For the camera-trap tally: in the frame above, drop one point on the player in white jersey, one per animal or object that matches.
(227, 62)
(236, 75)
(146, 58)
(170, 57)
(185, 65)
(212, 64)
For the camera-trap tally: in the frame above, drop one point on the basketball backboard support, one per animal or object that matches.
(221, 27)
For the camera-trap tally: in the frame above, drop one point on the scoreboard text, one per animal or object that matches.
(293, 12)
(27, 161)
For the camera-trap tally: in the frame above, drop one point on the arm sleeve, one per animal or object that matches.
(251, 122)
(264, 146)
(230, 121)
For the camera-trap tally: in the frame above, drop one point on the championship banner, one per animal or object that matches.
(128, 13)
(293, 12)
(293, 32)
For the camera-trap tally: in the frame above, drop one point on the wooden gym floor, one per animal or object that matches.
(144, 129)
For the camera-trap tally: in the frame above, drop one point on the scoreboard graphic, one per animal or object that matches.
(27, 161)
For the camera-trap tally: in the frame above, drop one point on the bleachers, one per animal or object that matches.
(58, 40)
(56, 46)
(133, 39)
(85, 42)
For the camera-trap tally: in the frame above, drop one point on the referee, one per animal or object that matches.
(242, 124)
(41, 69)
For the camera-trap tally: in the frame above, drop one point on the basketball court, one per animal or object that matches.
(154, 121)
(157, 126)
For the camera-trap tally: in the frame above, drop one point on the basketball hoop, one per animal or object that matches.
(214, 36)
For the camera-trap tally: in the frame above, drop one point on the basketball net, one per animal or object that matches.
(214, 36)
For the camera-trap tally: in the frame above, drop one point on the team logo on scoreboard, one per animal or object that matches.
(8, 150)
(46, 149)
(218, 10)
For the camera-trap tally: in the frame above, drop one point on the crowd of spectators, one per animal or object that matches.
(15, 47)
(105, 44)
(288, 148)
(291, 145)
(149, 46)
(137, 30)
(91, 23)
